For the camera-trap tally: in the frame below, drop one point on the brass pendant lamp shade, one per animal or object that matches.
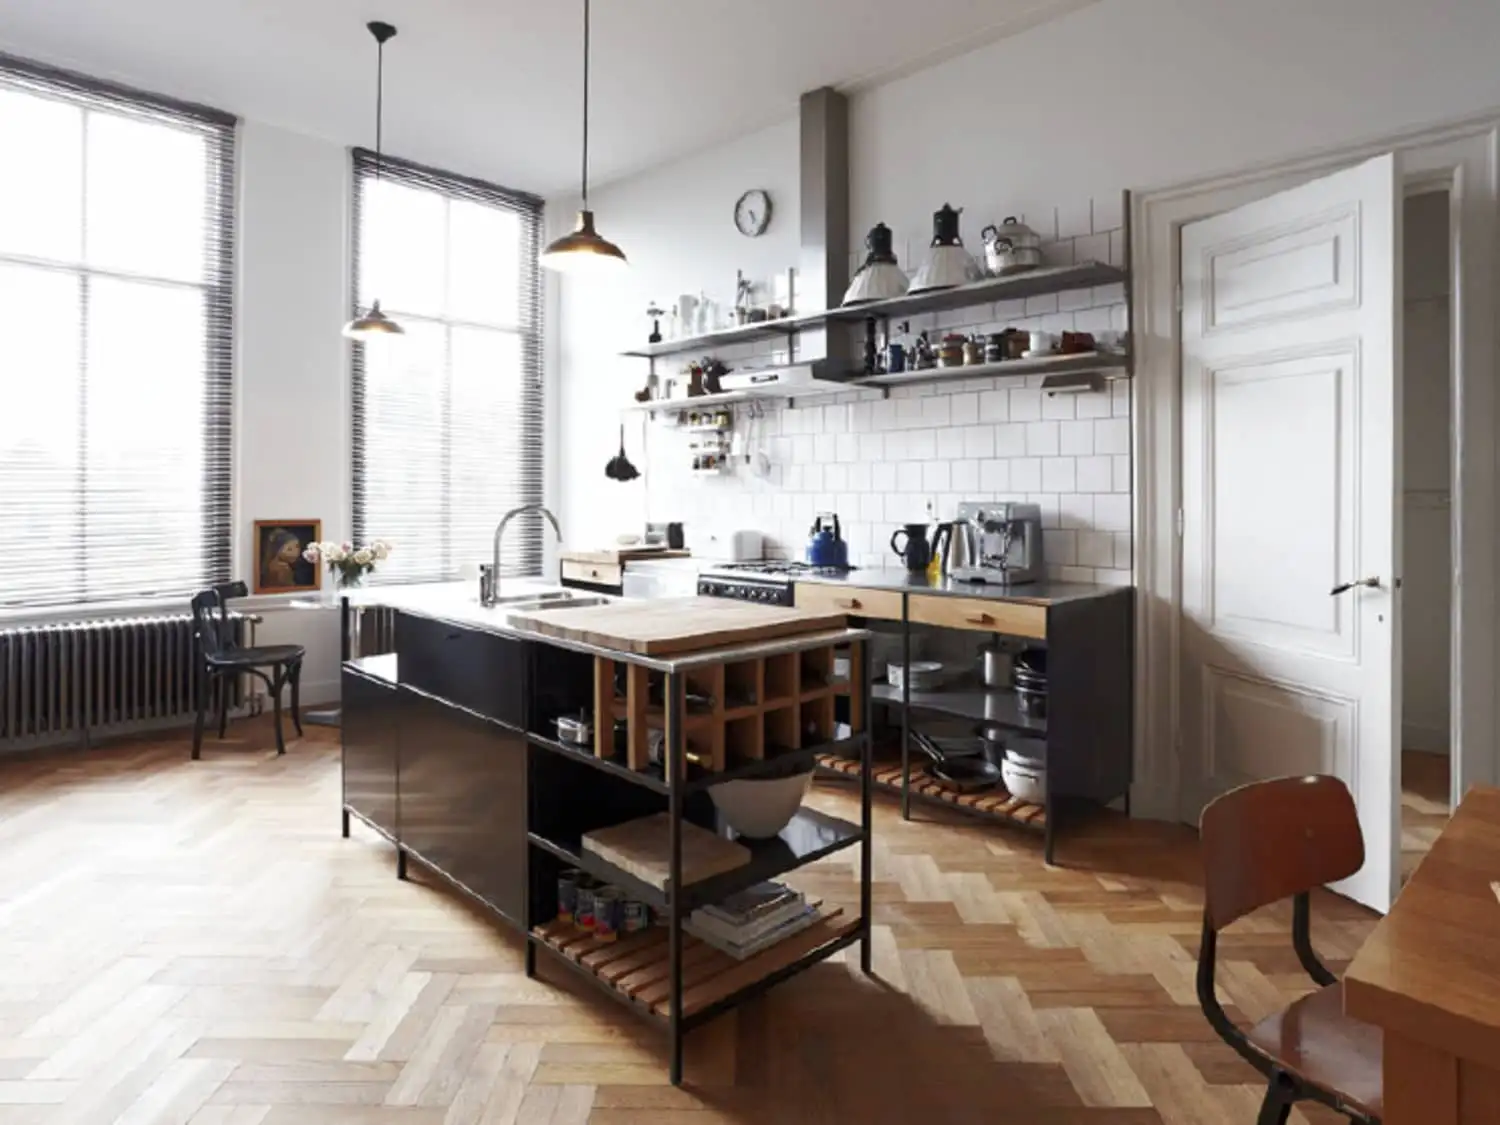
(375, 325)
(584, 250)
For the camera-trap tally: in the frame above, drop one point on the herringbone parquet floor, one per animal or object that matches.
(194, 943)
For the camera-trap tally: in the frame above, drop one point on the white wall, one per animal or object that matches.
(1427, 571)
(292, 388)
(1050, 126)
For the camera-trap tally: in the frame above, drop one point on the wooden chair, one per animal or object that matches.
(220, 660)
(1262, 843)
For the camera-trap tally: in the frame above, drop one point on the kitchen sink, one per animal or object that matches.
(567, 601)
(546, 596)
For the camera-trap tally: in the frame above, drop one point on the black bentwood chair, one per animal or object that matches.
(220, 660)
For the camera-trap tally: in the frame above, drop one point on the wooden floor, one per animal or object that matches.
(1425, 805)
(194, 943)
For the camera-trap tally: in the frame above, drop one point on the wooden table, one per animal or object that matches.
(1430, 978)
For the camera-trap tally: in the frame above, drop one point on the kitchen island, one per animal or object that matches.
(451, 752)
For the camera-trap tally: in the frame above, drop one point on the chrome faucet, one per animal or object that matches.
(489, 584)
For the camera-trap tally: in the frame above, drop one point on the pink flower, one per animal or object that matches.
(311, 554)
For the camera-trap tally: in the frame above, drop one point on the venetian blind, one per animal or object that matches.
(447, 418)
(116, 268)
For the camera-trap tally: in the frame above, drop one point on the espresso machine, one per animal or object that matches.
(996, 542)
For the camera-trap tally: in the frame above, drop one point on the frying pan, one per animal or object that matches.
(963, 775)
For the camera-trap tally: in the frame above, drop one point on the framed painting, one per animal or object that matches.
(279, 565)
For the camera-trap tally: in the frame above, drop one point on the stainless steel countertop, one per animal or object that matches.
(893, 578)
(458, 603)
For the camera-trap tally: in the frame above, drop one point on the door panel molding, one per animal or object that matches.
(1464, 158)
(1325, 251)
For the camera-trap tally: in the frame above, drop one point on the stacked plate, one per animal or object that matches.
(925, 675)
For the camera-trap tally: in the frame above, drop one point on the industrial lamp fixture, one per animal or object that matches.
(375, 324)
(583, 251)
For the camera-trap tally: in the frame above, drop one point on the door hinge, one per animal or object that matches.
(1179, 523)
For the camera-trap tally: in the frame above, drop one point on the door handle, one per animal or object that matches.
(1343, 588)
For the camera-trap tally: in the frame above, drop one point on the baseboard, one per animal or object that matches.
(1429, 740)
(315, 693)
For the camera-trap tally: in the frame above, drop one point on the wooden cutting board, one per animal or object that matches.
(613, 556)
(644, 849)
(664, 626)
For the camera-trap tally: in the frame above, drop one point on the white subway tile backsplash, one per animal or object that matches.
(965, 476)
(1095, 548)
(937, 476)
(871, 508)
(1010, 439)
(1026, 474)
(964, 409)
(859, 476)
(845, 446)
(908, 411)
(836, 477)
(1075, 510)
(804, 449)
(883, 414)
(1112, 511)
(1112, 435)
(860, 417)
(1041, 439)
(883, 477)
(921, 445)
(1025, 404)
(994, 476)
(1121, 473)
(1095, 474)
(1093, 404)
(937, 411)
(1075, 574)
(1119, 399)
(812, 478)
(1060, 547)
(978, 441)
(1123, 552)
(1075, 438)
(1059, 474)
(1041, 304)
(871, 446)
(994, 406)
(1051, 513)
(1058, 407)
(835, 419)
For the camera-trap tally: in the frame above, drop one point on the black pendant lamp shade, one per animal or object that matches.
(584, 250)
(375, 324)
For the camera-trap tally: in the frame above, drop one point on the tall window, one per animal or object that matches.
(447, 418)
(115, 341)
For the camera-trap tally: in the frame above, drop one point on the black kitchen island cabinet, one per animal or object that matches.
(450, 752)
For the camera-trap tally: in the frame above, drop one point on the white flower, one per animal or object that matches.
(381, 549)
(364, 556)
(311, 554)
(333, 552)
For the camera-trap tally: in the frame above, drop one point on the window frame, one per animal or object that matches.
(220, 131)
(528, 327)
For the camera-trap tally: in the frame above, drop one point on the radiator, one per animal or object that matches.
(70, 682)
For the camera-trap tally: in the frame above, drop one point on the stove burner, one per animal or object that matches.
(768, 581)
(783, 566)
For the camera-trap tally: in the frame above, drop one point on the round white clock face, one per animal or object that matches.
(752, 214)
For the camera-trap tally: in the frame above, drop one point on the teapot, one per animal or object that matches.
(1012, 247)
(825, 542)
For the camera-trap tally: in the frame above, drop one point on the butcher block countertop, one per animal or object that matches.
(669, 626)
(1429, 976)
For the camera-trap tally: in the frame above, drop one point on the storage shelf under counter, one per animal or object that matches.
(452, 755)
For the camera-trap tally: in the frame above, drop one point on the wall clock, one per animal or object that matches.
(752, 213)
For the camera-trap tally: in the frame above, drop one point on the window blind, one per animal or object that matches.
(448, 419)
(116, 322)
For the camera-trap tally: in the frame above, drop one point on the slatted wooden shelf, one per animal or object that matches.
(995, 803)
(636, 966)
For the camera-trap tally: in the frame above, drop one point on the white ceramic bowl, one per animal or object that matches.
(760, 808)
(1025, 782)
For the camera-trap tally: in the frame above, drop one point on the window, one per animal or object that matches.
(115, 341)
(448, 418)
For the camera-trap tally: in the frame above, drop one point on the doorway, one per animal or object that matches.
(1427, 536)
(1462, 164)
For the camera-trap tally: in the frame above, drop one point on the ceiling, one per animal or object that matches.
(494, 87)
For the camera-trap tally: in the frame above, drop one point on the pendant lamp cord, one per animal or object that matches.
(585, 105)
(379, 102)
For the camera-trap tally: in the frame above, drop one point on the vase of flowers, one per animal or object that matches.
(347, 563)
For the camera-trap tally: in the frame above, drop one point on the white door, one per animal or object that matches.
(1291, 454)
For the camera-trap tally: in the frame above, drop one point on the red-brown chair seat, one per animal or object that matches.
(1315, 1040)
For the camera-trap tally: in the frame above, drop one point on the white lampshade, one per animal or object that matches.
(946, 266)
(877, 281)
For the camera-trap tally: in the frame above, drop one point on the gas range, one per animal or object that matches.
(768, 582)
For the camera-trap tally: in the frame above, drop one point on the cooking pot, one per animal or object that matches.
(996, 665)
(1012, 247)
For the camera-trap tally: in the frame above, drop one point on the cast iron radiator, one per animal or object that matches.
(68, 682)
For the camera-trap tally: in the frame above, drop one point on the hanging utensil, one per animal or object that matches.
(619, 467)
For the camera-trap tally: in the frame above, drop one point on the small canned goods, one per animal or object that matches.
(609, 911)
(567, 894)
(637, 917)
(583, 914)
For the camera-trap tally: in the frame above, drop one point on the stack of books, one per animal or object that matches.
(755, 919)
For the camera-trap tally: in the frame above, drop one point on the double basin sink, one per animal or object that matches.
(550, 599)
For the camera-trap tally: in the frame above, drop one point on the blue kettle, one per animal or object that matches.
(825, 543)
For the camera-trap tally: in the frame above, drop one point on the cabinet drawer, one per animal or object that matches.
(469, 667)
(882, 604)
(1012, 618)
(595, 574)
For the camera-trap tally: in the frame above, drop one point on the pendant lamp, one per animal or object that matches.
(375, 324)
(583, 251)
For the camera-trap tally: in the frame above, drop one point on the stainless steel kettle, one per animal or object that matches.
(962, 551)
